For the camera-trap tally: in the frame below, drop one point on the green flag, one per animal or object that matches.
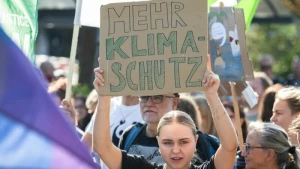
(249, 7)
(19, 20)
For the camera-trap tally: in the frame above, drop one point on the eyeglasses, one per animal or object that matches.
(248, 147)
(155, 99)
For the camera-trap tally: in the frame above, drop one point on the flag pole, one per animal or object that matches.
(237, 116)
(72, 60)
(76, 28)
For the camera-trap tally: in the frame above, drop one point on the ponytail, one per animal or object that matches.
(293, 159)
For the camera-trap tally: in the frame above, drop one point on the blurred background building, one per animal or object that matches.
(54, 39)
(56, 25)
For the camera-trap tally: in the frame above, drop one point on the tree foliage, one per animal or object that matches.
(281, 41)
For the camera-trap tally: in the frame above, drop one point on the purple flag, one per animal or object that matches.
(33, 132)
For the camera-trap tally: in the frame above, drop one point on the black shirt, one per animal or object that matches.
(139, 162)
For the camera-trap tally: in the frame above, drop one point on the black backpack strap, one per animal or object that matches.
(133, 133)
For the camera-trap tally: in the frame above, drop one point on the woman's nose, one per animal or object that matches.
(176, 149)
(273, 119)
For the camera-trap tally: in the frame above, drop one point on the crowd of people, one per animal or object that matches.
(189, 130)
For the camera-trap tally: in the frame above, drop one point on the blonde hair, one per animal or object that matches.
(179, 117)
(295, 126)
(292, 95)
(183, 118)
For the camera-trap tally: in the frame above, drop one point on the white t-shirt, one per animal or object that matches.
(121, 117)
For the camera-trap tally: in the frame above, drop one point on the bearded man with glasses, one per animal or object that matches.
(154, 107)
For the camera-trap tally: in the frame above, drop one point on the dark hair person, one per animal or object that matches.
(188, 105)
(230, 110)
(266, 103)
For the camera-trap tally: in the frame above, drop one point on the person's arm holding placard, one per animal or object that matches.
(223, 124)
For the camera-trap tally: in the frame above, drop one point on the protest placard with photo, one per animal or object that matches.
(228, 44)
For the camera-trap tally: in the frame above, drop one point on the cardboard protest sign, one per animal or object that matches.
(153, 47)
(19, 21)
(228, 44)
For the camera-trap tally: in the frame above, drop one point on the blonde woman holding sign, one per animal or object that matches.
(176, 135)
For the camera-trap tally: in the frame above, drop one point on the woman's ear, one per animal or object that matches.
(197, 136)
(271, 155)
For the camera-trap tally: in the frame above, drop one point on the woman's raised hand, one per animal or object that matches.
(210, 80)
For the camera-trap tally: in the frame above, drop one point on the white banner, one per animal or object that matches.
(88, 11)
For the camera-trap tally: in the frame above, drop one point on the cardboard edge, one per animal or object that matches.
(246, 61)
